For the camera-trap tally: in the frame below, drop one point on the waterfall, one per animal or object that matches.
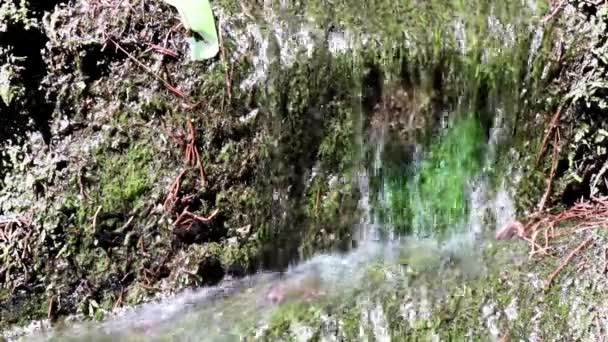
(451, 82)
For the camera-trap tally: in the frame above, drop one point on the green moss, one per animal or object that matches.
(308, 117)
(19, 310)
(284, 320)
(239, 256)
(351, 321)
(336, 151)
(124, 178)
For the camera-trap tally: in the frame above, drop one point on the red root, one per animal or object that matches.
(188, 218)
(511, 229)
(192, 156)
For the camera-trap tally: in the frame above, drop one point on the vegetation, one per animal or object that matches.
(129, 170)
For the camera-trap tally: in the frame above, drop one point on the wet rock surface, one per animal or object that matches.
(104, 204)
(127, 170)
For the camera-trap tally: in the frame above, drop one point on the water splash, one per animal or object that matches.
(230, 310)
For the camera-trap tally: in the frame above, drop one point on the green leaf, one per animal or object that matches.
(198, 17)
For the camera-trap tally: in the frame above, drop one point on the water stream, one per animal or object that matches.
(454, 77)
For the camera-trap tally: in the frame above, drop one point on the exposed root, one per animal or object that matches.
(174, 201)
(543, 234)
(187, 219)
(589, 215)
(173, 192)
(192, 156)
(552, 127)
(545, 198)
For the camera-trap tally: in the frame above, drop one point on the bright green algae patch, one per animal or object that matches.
(432, 195)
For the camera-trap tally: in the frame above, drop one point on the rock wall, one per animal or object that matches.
(128, 170)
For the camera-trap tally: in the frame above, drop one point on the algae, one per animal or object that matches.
(431, 196)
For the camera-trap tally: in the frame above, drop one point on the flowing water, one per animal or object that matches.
(435, 88)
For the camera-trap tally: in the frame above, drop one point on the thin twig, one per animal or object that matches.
(163, 50)
(128, 223)
(149, 288)
(223, 59)
(119, 300)
(318, 202)
(83, 192)
(49, 312)
(150, 71)
(600, 329)
(566, 261)
(605, 267)
(142, 249)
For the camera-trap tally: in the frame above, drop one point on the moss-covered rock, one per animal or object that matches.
(101, 177)
(98, 169)
(507, 299)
